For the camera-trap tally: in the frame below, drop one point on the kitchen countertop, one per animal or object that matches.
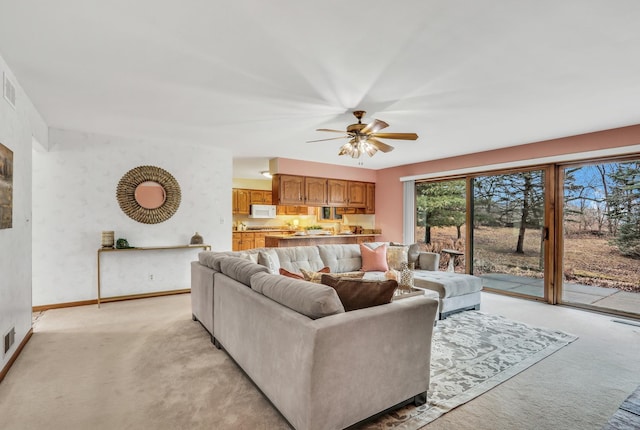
(317, 236)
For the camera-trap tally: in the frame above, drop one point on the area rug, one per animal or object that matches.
(472, 352)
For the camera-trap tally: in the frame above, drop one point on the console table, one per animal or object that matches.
(146, 248)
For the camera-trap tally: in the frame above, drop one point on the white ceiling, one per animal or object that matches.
(259, 77)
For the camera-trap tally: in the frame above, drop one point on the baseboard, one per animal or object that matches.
(109, 299)
(63, 305)
(15, 355)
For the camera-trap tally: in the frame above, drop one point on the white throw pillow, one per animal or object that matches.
(270, 260)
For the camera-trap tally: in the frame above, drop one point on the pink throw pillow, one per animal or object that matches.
(374, 260)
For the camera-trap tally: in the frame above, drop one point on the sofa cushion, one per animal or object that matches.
(447, 284)
(295, 258)
(341, 258)
(252, 256)
(313, 300)
(374, 260)
(312, 276)
(212, 259)
(429, 261)
(240, 269)
(359, 293)
(269, 259)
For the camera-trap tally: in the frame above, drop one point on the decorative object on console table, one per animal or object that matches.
(107, 239)
(196, 239)
(123, 244)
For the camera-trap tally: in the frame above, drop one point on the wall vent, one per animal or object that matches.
(9, 339)
(9, 91)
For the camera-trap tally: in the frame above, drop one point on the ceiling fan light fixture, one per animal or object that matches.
(365, 137)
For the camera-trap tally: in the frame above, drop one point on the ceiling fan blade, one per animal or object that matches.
(331, 138)
(374, 126)
(330, 129)
(379, 145)
(401, 136)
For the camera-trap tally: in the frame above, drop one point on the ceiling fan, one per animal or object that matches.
(364, 137)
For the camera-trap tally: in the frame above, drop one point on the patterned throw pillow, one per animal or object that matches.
(396, 256)
(374, 260)
(314, 276)
(348, 275)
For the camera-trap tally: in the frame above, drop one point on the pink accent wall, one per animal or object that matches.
(389, 187)
(323, 170)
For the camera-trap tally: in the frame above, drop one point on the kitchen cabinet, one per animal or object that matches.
(357, 194)
(370, 207)
(337, 192)
(259, 239)
(315, 191)
(241, 201)
(294, 210)
(288, 190)
(260, 197)
(241, 241)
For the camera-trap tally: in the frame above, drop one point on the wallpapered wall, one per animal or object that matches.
(74, 200)
(17, 126)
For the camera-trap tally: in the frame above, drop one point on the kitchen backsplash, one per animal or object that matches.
(366, 221)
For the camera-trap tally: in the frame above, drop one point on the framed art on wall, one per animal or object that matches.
(6, 187)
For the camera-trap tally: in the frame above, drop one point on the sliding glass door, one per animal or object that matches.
(601, 236)
(441, 214)
(509, 232)
(560, 233)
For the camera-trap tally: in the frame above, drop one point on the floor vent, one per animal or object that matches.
(9, 91)
(9, 338)
(627, 322)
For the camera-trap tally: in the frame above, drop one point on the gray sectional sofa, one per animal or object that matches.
(321, 367)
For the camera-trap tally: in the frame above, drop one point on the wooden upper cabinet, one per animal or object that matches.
(337, 192)
(315, 191)
(260, 197)
(241, 201)
(306, 191)
(371, 199)
(357, 194)
(288, 190)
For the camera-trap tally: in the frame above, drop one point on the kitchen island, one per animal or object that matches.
(284, 240)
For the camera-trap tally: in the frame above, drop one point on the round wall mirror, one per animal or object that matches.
(148, 194)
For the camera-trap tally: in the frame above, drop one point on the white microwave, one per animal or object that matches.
(262, 211)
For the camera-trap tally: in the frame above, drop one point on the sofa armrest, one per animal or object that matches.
(202, 294)
(429, 261)
(381, 354)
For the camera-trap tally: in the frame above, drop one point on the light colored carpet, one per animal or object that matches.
(472, 352)
(144, 364)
